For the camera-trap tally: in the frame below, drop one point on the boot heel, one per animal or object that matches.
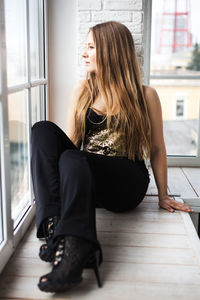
(93, 263)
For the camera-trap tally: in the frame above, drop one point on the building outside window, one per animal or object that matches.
(175, 70)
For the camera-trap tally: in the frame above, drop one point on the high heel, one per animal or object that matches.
(46, 252)
(93, 263)
(72, 256)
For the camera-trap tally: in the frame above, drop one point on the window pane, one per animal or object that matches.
(175, 39)
(36, 104)
(180, 108)
(18, 128)
(175, 51)
(35, 17)
(15, 21)
(1, 214)
(1, 220)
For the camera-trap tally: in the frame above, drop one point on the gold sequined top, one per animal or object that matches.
(97, 140)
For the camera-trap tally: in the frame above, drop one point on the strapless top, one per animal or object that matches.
(96, 136)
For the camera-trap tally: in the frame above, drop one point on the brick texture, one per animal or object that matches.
(127, 12)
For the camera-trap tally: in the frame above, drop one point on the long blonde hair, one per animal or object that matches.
(117, 66)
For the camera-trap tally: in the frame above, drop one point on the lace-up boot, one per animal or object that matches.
(46, 251)
(73, 254)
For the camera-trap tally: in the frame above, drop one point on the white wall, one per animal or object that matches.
(62, 57)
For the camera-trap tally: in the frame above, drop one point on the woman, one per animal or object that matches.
(118, 123)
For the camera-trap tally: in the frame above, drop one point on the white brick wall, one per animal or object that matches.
(127, 12)
(89, 4)
(123, 4)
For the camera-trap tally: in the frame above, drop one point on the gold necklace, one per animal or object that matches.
(96, 123)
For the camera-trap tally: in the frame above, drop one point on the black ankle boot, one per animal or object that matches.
(72, 256)
(46, 252)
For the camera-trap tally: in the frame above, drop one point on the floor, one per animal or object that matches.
(149, 253)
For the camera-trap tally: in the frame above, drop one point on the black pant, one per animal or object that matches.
(71, 183)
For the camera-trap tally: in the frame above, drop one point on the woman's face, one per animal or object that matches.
(90, 54)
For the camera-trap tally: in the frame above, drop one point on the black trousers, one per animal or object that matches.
(71, 183)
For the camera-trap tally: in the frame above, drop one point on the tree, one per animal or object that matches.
(195, 59)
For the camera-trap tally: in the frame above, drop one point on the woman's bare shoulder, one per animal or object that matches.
(153, 103)
(79, 83)
(149, 92)
(76, 90)
(78, 86)
(151, 95)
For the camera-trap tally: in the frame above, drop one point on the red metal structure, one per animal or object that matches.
(175, 26)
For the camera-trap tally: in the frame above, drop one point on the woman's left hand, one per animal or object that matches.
(170, 204)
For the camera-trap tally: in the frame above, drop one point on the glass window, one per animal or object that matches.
(15, 22)
(36, 104)
(36, 40)
(1, 222)
(180, 108)
(18, 134)
(23, 106)
(1, 214)
(175, 71)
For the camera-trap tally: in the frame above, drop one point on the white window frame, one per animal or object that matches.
(14, 232)
(172, 160)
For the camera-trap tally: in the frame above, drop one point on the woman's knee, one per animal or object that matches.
(41, 132)
(40, 125)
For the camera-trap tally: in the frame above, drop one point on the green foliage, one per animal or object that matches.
(195, 59)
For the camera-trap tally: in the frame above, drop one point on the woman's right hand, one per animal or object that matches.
(171, 205)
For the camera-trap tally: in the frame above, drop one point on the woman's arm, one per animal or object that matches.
(158, 156)
(70, 123)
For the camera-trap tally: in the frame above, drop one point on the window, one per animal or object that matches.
(23, 102)
(175, 72)
(1, 212)
(180, 109)
(18, 135)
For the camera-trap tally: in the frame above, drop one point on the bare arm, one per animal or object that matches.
(70, 123)
(158, 156)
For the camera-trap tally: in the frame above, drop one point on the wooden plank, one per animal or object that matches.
(140, 239)
(152, 189)
(87, 290)
(193, 176)
(192, 201)
(144, 216)
(130, 254)
(138, 226)
(31, 266)
(112, 271)
(195, 220)
(178, 183)
(144, 240)
(192, 234)
(149, 255)
(148, 272)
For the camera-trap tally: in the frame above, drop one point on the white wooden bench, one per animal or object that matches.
(149, 253)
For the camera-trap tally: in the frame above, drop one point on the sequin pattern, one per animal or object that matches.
(98, 142)
(97, 139)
